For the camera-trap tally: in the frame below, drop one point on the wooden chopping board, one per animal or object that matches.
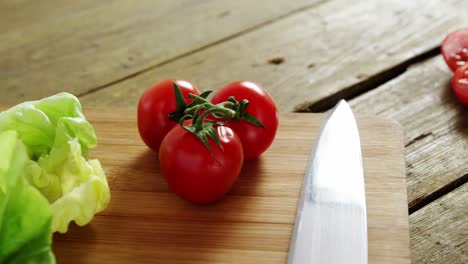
(147, 223)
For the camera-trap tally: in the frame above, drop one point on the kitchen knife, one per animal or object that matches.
(331, 221)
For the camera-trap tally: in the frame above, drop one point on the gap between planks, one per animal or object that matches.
(366, 85)
(204, 47)
(439, 193)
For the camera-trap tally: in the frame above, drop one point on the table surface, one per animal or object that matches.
(381, 56)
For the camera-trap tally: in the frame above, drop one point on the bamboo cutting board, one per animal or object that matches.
(146, 223)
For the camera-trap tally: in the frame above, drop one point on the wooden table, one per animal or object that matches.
(382, 56)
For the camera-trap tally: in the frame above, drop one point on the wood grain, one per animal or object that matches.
(435, 124)
(325, 49)
(442, 239)
(76, 46)
(146, 222)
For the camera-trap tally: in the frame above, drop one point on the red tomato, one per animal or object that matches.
(193, 172)
(455, 49)
(460, 83)
(154, 107)
(255, 140)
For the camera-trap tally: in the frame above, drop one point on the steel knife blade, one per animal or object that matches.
(331, 221)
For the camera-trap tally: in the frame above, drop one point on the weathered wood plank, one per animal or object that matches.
(52, 46)
(442, 239)
(435, 124)
(325, 49)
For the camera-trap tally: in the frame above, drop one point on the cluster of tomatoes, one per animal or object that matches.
(203, 143)
(455, 52)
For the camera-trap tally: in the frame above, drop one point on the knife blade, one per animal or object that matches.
(331, 221)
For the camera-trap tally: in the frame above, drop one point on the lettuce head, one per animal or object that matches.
(56, 139)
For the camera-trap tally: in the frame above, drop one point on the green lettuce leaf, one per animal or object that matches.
(57, 138)
(25, 215)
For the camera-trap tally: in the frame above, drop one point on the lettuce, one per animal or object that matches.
(57, 138)
(25, 216)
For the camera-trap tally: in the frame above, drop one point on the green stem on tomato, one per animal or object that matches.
(241, 113)
(230, 110)
(203, 129)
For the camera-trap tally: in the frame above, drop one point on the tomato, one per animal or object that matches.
(155, 105)
(455, 49)
(255, 140)
(193, 172)
(460, 83)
